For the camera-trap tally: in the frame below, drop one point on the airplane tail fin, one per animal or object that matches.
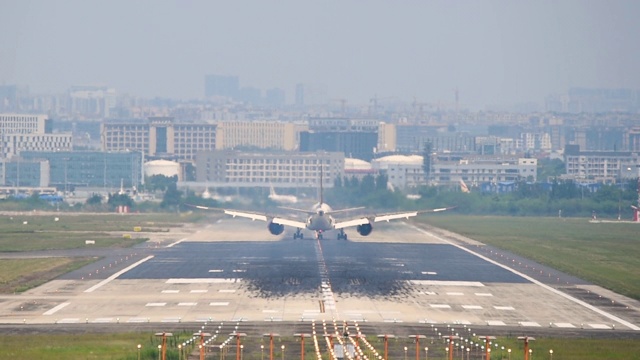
(321, 198)
(463, 187)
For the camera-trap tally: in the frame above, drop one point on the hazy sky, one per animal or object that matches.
(494, 52)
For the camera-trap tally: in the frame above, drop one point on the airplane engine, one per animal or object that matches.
(275, 229)
(364, 229)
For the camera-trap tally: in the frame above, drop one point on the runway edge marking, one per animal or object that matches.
(542, 285)
(114, 276)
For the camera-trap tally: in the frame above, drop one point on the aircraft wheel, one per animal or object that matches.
(344, 237)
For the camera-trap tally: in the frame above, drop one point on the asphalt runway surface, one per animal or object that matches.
(400, 276)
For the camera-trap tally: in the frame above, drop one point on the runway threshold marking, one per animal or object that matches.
(114, 276)
(534, 281)
(55, 309)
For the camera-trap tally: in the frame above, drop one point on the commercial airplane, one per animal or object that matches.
(282, 199)
(320, 219)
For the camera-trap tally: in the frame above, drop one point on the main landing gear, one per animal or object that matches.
(342, 235)
(298, 235)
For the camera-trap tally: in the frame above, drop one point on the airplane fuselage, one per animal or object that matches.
(320, 222)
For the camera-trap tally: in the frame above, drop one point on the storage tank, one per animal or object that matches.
(162, 167)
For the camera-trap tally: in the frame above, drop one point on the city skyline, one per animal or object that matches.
(494, 53)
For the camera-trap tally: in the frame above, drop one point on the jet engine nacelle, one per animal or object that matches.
(275, 229)
(364, 229)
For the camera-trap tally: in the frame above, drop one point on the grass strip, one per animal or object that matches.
(17, 275)
(606, 254)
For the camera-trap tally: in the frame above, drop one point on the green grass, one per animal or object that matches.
(123, 346)
(81, 346)
(42, 232)
(607, 254)
(18, 275)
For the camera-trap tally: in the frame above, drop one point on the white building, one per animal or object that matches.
(264, 169)
(25, 132)
(407, 171)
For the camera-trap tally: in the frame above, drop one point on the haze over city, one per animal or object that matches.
(495, 53)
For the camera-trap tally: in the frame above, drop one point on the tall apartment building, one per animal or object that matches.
(221, 86)
(159, 138)
(600, 166)
(91, 101)
(412, 138)
(271, 135)
(356, 138)
(21, 132)
(281, 169)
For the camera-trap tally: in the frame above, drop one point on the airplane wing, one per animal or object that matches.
(384, 217)
(257, 216)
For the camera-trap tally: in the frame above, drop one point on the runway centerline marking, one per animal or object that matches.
(527, 277)
(114, 276)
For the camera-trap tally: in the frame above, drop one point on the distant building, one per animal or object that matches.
(280, 169)
(91, 101)
(8, 98)
(412, 138)
(25, 132)
(310, 95)
(159, 138)
(595, 100)
(21, 173)
(600, 166)
(356, 138)
(275, 98)
(221, 86)
(71, 169)
(253, 135)
(408, 171)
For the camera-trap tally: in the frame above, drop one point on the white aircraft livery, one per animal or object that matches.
(320, 219)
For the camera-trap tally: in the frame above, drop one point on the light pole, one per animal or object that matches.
(179, 351)
(530, 354)
(468, 350)
(509, 351)
(159, 351)
(426, 353)
(282, 347)
(405, 353)
(139, 346)
(261, 352)
(386, 338)
(417, 340)
(270, 335)
(302, 336)
(550, 354)
(241, 352)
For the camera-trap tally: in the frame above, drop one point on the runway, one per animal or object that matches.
(235, 271)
